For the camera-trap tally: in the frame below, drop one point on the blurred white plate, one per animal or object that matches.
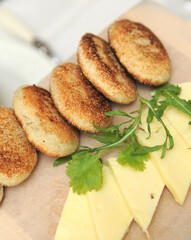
(20, 64)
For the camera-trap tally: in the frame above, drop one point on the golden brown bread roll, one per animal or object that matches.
(102, 69)
(17, 156)
(77, 100)
(140, 52)
(42, 123)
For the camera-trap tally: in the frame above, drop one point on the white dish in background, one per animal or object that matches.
(20, 64)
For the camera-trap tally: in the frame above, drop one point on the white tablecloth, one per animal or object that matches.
(61, 23)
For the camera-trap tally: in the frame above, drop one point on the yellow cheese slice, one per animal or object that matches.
(76, 221)
(175, 167)
(178, 119)
(141, 190)
(110, 213)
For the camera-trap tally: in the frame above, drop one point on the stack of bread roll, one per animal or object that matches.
(78, 98)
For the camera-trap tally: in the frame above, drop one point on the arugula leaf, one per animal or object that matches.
(125, 156)
(117, 113)
(153, 103)
(145, 149)
(173, 100)
(170, 88)
(170, 92)
(168, 135)
(108, 135)
(85, 172)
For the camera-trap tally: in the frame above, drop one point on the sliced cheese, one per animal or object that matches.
(110, 213)
(178, 119)
(141, 190)
(175, 167)
(76, 221)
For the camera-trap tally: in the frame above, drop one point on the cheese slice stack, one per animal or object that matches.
(141, 190)
(99, 215)
(76, 221)
(178, 119)
(110, 213)
(175, 167)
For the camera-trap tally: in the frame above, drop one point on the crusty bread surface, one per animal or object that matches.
(42, 123)
(77, 100)
(17, 155)
(140, 52)
(1, 193)
(102, 69)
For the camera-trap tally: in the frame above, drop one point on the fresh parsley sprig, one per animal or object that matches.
(85, 166)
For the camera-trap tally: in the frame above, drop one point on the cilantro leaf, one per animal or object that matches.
(85, 172)
(125, 156)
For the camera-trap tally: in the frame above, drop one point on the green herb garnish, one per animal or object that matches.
(85, 166)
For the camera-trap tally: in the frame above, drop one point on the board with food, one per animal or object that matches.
(112, 131)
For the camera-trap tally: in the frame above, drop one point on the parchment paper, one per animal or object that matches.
(31, 210)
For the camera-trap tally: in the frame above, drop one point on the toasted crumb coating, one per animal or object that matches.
(42, 123)
(77, 100)
(102, 69)
(17, 155)
(140, 52)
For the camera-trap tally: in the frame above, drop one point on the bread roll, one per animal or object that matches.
(77, 100)
(42, 123)
(17, 156)
(140, 52)
(102, 69)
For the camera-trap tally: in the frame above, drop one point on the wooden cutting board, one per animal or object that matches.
(31, 210)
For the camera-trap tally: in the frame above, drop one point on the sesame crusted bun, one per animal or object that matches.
(102, 69)
(77, 100)
(42, 123)
(17, 156)
(1, 193)
(140, 52)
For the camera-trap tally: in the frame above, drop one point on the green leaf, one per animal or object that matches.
(136, 161)
(63, 160)
(117, 113)
(162, 107)
(109, 138)
(173, 100)
(153, 103)
(146, 149)
(107, 135)
(85, 172)
(170, 88)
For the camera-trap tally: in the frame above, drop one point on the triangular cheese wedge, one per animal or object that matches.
(76, 221)
(175, 167)
(178, 119)
(110, 213)
(141, 190)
